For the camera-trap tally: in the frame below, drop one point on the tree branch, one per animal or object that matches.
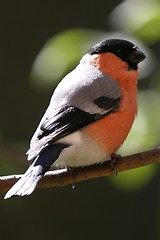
(64, 177)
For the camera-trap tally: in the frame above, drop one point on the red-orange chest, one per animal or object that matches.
(111, 131)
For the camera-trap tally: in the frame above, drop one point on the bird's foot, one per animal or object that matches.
(71, 171)
(114, 157)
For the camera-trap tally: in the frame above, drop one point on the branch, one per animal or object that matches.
(64, 177)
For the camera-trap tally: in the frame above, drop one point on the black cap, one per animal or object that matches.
(123, 49)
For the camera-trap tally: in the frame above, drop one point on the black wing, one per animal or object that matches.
(71, 119)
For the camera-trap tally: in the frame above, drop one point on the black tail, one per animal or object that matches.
(28, 182)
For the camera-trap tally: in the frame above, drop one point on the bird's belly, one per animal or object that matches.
(81, 152)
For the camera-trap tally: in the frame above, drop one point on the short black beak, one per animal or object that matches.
(137, 56)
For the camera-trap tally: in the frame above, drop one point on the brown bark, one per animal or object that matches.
(65, 177)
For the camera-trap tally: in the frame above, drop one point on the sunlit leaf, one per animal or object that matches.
(60, 54)
(150, 31)
(138, 17)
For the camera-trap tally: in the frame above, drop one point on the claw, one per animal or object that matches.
(71, 171)
(114, 157)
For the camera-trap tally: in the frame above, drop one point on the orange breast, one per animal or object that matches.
(111, 131)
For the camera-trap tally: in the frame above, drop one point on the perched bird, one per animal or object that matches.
(89, 115)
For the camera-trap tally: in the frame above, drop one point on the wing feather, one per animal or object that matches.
(82, 97)
(67, 121)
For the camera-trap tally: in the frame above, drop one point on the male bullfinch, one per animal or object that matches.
(89, 115)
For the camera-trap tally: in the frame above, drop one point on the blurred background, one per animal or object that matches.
(40, 42)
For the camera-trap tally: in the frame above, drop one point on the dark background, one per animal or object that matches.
(25, 27)
(97, 209)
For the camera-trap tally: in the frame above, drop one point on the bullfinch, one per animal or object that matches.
(89, 115)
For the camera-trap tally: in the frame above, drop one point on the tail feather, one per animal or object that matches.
(26, 185)
(28, 182)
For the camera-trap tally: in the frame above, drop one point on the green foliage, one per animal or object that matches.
(139, 18)
(150, 31)
(59, 55)
(135, 179)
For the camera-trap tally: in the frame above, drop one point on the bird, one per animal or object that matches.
(89, 115)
